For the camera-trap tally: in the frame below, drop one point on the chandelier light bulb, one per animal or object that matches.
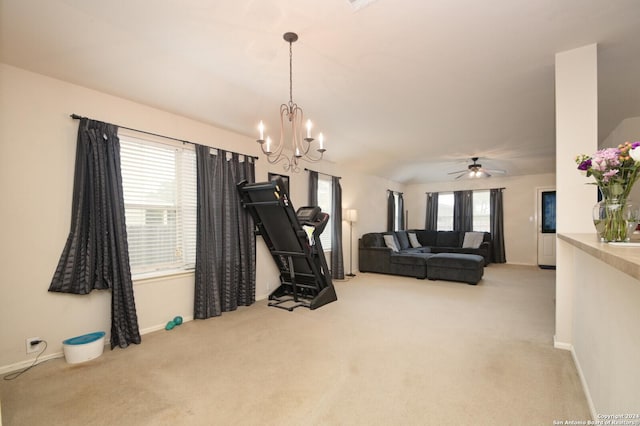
(308, 128)
(268, 145)
(261, 128)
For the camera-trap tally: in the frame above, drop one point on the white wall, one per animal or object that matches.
(576, 133)
(627, 131)
(520, 207)
(596, 314)
(37, 155)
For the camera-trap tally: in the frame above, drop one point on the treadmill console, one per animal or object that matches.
(313, 216)
(308, 215)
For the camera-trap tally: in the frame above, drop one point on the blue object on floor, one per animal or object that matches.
(84, 339)
(177, 320)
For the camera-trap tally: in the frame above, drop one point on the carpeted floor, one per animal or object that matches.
(390, 351)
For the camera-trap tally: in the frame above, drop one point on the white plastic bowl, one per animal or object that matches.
(83, 348)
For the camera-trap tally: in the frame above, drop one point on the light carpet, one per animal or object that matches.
(390, 351)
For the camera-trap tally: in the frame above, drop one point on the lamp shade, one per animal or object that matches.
(352, 215)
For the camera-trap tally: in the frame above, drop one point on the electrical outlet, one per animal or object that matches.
(30, 347)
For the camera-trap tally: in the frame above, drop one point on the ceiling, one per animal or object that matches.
(404, 89)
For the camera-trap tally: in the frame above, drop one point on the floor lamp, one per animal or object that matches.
(351, 216)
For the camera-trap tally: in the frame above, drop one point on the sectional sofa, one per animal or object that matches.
(410, 252)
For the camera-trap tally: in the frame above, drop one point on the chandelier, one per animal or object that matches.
(291, 126)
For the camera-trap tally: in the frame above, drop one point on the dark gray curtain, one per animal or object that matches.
(96, 254)
(401, 224)
(431, 221)
(462, 211)
(337, 260)
(313, 188)
(391, 208)
(497, 226)
(225, 275)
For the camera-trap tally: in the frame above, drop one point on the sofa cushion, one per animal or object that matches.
(418, 259)
(472, 239)
(467, 268)
(390, 241)
(416, 250)
(427, 238)
(413, 240)
(373, 239)
(403, 240)
(448, 239)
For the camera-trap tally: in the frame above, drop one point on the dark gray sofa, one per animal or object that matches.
(451, 242)
(375, 256)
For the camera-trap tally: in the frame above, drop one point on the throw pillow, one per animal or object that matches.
(413, 239)
(472, 239)
(390, 242)
(402, 239)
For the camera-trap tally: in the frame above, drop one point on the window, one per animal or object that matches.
(397, 212)
(325, 201)
(159, 186)
(481, 211)
(445, 211)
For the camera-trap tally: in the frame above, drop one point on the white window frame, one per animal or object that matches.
(325, 201)
(183, 207)
(396, 211)
(445, 204)
(481, 201)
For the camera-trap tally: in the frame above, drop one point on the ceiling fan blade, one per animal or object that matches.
(497, 171)
(459, 171)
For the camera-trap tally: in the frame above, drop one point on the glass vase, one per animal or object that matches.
(615, 219)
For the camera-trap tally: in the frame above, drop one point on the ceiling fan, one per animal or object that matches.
(475, 171)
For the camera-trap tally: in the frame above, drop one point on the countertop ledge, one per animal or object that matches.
(625, 259)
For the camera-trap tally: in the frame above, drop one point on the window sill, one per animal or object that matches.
(148, 277)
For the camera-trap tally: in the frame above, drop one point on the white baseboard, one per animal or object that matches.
(24, 364)
(263, 296)
(158, 327)
(585, 387)
(562, 345)
(569, 347)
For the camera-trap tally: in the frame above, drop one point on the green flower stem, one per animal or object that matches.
(613, 226)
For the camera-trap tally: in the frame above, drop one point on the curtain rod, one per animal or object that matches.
(326, 174)
(488, 189)
(395, 192)
(78, 117)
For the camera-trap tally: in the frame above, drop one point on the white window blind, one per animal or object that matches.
(445, 211)
(159, 186)
(481, 211)
(397, 212)
(325, 201)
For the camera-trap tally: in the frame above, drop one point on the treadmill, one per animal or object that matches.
(293, 238)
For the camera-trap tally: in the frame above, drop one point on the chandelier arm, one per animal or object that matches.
(295, 116)
(274, 159)
(308, 158)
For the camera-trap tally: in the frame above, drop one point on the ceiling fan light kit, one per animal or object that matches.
(475, 171)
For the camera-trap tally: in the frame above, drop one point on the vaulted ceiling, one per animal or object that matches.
(404, 89)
